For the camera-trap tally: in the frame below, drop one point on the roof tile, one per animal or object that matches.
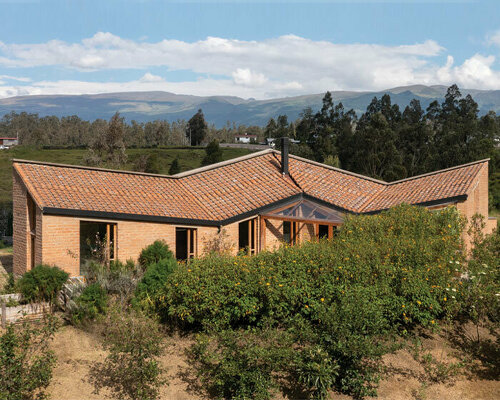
(231, 188)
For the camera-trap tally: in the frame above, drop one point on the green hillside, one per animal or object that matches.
(189, 158)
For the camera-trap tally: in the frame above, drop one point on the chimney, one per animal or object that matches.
(284, 155)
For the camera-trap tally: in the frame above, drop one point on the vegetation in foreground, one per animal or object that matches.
(323, 314)
(313, 318)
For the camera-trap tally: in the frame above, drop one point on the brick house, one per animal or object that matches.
(260, 200)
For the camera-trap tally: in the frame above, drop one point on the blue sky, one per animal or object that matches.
(258, 49)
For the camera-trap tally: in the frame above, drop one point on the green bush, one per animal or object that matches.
(155, 252)
(153, 281)
(10, 285)
(91, 303)
(380, 276)
(131, 369)
(116, 278)
(26, 362)
(240, 364)
(42, 283)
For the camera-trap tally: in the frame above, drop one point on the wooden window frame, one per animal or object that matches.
(253, 236)
(192, 241)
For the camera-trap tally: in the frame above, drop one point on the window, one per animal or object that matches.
(97, 243)
(290, 232)
(323, 231)
(185, 243)
(32, 232)
(247, 236)
(326, 231)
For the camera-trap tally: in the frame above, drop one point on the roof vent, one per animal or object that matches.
(284, 155)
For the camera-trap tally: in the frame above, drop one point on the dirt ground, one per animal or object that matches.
(405, 378)
(5, 265)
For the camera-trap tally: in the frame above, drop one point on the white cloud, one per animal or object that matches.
(245, 77)
(286, 65)
(15, 78)
(494, 39)
(149, 77)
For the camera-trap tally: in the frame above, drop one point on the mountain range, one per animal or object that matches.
(149, 106)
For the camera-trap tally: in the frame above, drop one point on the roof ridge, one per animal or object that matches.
(342, 171)
(84, 167)
(220, 164)
(439, 171)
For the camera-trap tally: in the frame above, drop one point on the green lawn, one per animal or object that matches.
(189, 158)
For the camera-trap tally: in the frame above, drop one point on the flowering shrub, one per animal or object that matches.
(380, 276)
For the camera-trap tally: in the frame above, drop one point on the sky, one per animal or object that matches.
(251, 49)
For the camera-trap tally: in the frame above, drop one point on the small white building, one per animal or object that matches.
(7, 142)
(245, 138)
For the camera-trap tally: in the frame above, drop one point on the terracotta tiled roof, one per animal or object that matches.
(97, 190)
(231, 188)
(439, 185)
(241, 187)
(342, 188)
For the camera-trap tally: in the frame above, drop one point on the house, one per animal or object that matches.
(245, 138)
(260, 200)
(7, 142)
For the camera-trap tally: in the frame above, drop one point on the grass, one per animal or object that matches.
(6, 250)
(189, 158)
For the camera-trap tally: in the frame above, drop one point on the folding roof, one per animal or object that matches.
(306, 210)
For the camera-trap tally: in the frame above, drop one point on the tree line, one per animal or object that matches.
(73, 131)
(390, 144)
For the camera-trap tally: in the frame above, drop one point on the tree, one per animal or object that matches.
(108, 146)
(415, 137)
(153, 164)
(131, 369)
(271, 128)
(376, 152)
(26, 361)
(175, 168)
(213, 153)
(197, 128)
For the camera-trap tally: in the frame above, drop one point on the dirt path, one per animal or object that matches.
(405, 379)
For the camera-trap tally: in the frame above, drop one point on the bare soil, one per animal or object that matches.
(405, 377)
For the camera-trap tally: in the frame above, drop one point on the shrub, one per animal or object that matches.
(380, 276)
(26, 363)
(116, 278)
(478, 297)
(42, 283)
(316, 371)
(91, 303)
(240, 364)
(10, 284)
(153, 281)
(131, 370)
(155, 252)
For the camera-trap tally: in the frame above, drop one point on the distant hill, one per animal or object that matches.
(148, 106)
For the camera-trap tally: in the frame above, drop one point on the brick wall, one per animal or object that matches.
(477, 203)
(21, 230)
(20, 225)
(61, 239)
